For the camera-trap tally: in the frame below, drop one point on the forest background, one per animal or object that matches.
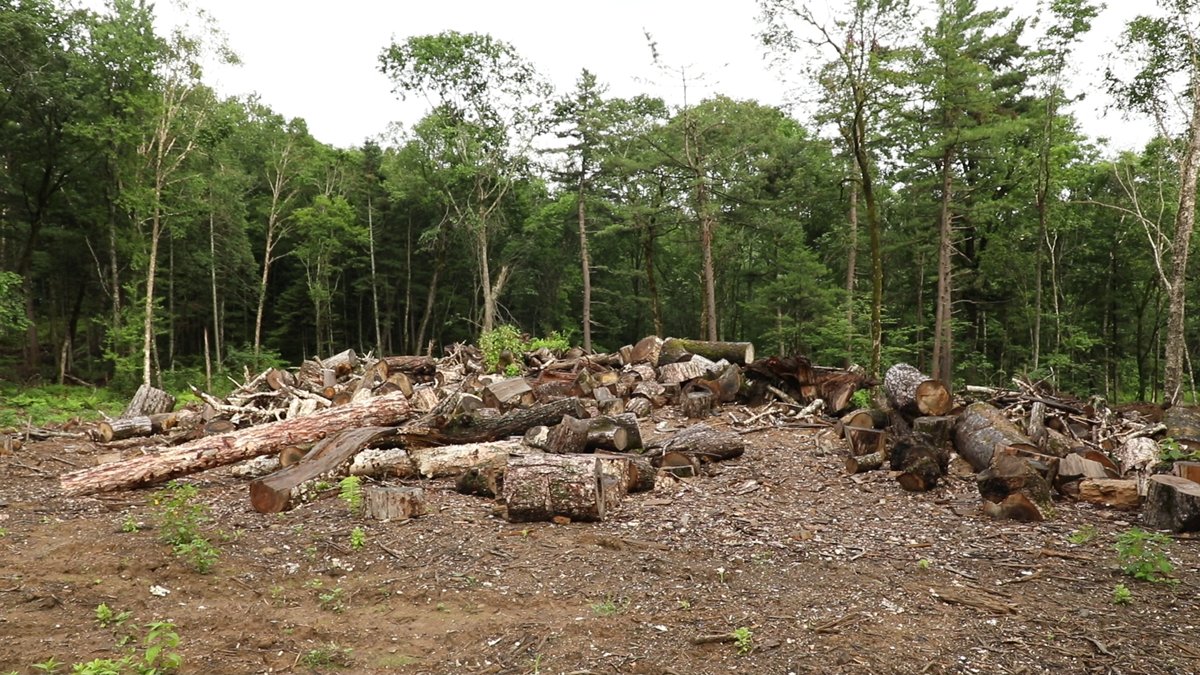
(937, 204)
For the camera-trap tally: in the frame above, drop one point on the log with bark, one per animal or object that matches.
(453, 460)
(706, 443)
(278, 491)
(920, 465)
(647, 350)
(860, 463)
(506, 394)
(148, 401)
(636, 473)
(680, 372)
(937, 430)
(213, 451)
(1183, 425)
(914, 394)
(602, 428)
(382, 463)
(480, 481)
(439, 428)
(568, 436)
(981, 430)
(1172, 503)
(393, 503)
(539, 487)
(136, 427)
(798, 378)
(679, 349)
(697, 404)
(1008, 475)
(639, 407)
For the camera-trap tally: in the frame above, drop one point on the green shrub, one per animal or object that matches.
(180, 518)
(1143, 555)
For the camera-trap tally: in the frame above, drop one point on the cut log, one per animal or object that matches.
(382, 463)
(1075, 467)
(706, 443)
(862, 463)
(604, 433)
(133, 427)
(915, 394)
(373, 376)
(480, 481)
(678, 373)
(679, 465)
(1183, 425)
(292, 454)
(422, 368)
(1014, 507)
(149, 401)
(476, 427)
(424, 399)
(537, 438)
(611, 405)
(212, 451)
(651, 391)
(864, 441)
(647, 350)
(1008, 475)
(569, 436)
(981, 430)
(935, 430)
(697, 404)
(255, 467)
(679, 349)
(276, 492)
(399, 381)
(393, 503)
(278, 379)
(542, 486)
(868, 418)
(218, 427)
(627, 422)
(507, 394)
(453, 460)
(639, 407)
(1188, 470)
(1172, 503)
(1115, 493)
(637, 471)
(920, 465)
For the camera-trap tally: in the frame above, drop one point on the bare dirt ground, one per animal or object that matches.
(829, 574)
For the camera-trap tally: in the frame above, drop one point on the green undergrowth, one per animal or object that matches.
(55, 404)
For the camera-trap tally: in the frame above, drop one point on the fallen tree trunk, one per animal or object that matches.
(982, 430)
(471, 427)
(382, 463)
(453, 460)
(277, 492)
(131, 427)
(542, 486)
(706, 443)
(213, 451)
(679, 349)
(914, 394)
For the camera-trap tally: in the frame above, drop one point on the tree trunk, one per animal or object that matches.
(982, 430)
(151, 269)
(708, 227)
(851, 272)
(453, 460)
(680, 349)
(1185, 221)
(540, 487)
(943, 352)
(585, 262)
(437, 429)
(374, 280)
(213, 451)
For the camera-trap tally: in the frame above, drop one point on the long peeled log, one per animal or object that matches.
(213, 451)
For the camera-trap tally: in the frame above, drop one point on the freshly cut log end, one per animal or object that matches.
(679, 465)
(291, 455)
(280, 379)
(568, 436)
(540, 487)
(915, 394)
(933, 398)
(393, 503)
(1113, 493)
(1172, 503)
(920, 465)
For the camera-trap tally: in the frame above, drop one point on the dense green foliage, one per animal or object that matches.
(139, 208)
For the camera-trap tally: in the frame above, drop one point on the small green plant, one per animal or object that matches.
(1169, 450)
(862, 399)
(924, 563)
(328, 656)
(106, 617)
(512, 370)
(180, 518)
(333, 600)
(3, 533)
(351, 493)
(685, 604)
(607, 607)
(159, 656)
(1143, 555)
(743, 639)
(494, 343)
(198, 553)
(50, 665)
(1121, 595)
(130, 524)
(1083, 535)
(358, 538)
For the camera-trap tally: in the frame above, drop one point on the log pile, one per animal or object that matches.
(557, 436)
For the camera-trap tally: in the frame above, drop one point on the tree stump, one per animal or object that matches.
(542, 486)
(149, 401)
(1172, 503)
(935, 430)
(393, 503)
(697, 404)
(915, 394)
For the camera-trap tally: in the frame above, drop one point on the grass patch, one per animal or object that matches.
(56, 404)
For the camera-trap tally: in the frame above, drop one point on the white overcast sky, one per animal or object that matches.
(319, 60)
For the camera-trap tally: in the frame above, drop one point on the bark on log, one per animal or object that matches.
(382, 463)
(453, 460)
(255, 467)
(678, 373)
(868, 418)
(697, 404)
(537, 438)
(436, 429)
(424, 399)
(647, 350)
(292, 454)
(480, 481)
(420, 367)
(706, 443)
(1172, 503)
(393, 503)
(568, 436)
(540, 487)
(639, 407)
(610, 406)
(937, 430)
(626, 421)
(507, 394)
(638, 472)
(604, 433)
(1183, 425)
(131, 427)
(864, 441)
(679, 465)
(149, 401)
(920, 465)
(914, 394)
(861, 463)
(275, 492)
(981, 430)
(212, 451)
(278, 379)
(679, 349)
(1008, 475)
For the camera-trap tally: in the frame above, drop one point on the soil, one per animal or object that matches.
(827, 573)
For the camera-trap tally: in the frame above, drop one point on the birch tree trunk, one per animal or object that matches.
(1185, 220)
